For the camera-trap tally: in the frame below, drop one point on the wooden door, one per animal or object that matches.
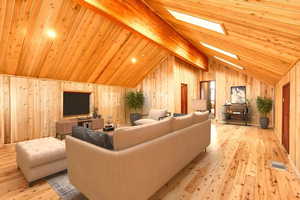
(286, 117)
(184, 98)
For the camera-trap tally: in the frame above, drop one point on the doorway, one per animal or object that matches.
(208, 93)
(286, 117)
(184, 98)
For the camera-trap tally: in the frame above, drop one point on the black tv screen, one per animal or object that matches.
(76, 103)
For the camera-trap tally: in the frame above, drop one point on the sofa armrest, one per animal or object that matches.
(91, 169)
(167, 115)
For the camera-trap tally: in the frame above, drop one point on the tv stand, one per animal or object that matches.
(64, 127)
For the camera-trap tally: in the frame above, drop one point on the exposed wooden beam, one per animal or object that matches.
(141, 19)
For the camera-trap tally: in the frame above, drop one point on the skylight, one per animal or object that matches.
(198, 21)
(225, 61)
(220, 50)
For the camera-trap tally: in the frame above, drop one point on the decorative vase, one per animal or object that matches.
(95, 115)
(264, 122)
(134, 117)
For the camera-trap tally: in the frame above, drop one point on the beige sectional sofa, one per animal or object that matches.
(144, 158)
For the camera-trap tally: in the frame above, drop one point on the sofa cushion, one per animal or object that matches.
(157, 113)
(144, 121)
(182, 122)
(130, 136)
(200, 116)
(99, 139)
(40, 151)
(79, 132)
(94, 137)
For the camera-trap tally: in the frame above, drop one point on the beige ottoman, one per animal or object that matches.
(41, 157)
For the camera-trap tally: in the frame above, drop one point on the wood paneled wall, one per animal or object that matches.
(30, 107)
(293, 77)
(226, 77)
(2, 110)
(185, 73)
(162, 86)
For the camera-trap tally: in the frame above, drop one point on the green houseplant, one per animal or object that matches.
(264, 106)
(135, 102)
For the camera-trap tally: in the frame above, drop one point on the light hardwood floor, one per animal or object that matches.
(236, 166)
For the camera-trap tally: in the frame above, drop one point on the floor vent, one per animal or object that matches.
(278, 165)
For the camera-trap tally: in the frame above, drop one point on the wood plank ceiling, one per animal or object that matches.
(264, 34)
(87, 48)
(137, 16)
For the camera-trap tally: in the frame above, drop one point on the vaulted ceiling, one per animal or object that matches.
(265, 34)
(123, 41)
(59, 39)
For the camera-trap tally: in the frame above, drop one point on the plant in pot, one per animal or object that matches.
(264, 106)
(135, 102)
(95, 113)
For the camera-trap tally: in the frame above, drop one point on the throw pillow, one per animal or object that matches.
(99, 139)
(79, 132)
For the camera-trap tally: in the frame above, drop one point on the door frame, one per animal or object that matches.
(187, 98)
(282, 117)
(215, 105)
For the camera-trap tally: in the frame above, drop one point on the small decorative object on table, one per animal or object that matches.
(109, 125)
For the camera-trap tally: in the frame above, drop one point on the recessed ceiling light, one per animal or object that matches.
(51, 33)
(133, 60)
(220, 50)
(198, 21)
(230, 63)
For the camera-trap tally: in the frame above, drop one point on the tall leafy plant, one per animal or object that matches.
(264, 105)
(134, 100)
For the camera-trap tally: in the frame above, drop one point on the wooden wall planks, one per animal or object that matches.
(30, 107)
(158, 86)
(162, 86)
(1, 111)
(292, 77)
(185, 73)
(226, 77)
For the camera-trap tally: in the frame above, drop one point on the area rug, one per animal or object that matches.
(62, 186)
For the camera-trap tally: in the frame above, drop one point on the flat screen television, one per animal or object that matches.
(76, 103)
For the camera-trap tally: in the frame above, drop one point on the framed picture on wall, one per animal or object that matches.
(238, 94)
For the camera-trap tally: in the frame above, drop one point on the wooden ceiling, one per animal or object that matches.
(87, 48)
(265, 34)
(137, 16)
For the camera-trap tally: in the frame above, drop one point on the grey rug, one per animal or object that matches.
(62, 186)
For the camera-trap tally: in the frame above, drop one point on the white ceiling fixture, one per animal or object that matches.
(230, 63)
(220, 50)
(198, 21)
(133, 60)
(51, 33)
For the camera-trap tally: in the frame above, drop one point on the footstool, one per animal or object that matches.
(42, 157)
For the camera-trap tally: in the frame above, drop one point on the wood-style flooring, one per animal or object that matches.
(235, 166)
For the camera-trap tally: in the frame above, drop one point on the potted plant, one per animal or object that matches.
(95, 113)
(134, 101)
(264, 106)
